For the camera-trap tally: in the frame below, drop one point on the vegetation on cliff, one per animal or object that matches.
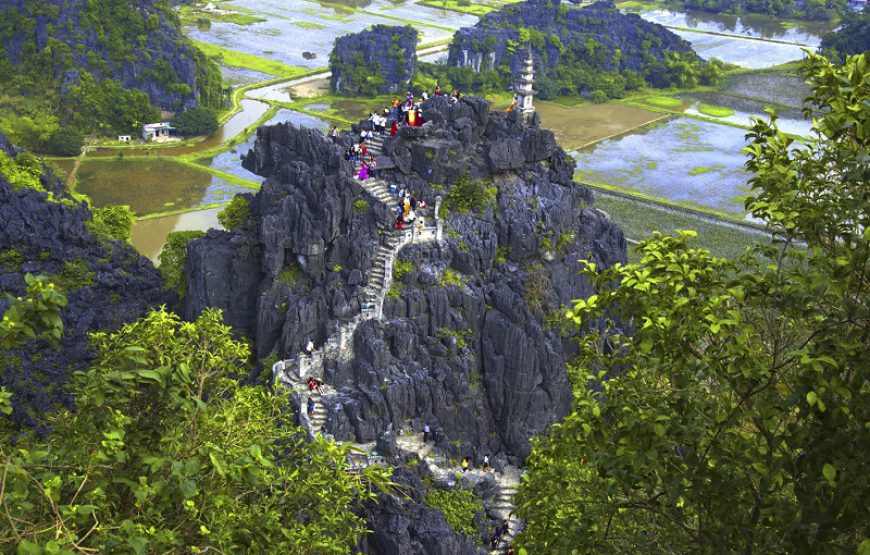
(376, 61)
(167, 451)
(733, 417)
(576, 51)
(101, 67)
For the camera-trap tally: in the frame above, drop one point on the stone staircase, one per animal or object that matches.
(293, 373)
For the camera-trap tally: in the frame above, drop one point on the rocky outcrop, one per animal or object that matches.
(471, 341)
(106, 283)
(594, 38)
(138, 44)
(298, 267)
(376, 61)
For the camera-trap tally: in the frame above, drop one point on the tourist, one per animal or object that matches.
(310, 407)
(513, 104)
(373, 167)
(425, 95)
(363, 171)
(425, 433)
(364, 150)
(486, 463)
(334, 134)
(465, 464)
(435, 433)
(318, 385)
(309, 348)
(394, 129)
(312, 383)
(400, 225)
(438, 90)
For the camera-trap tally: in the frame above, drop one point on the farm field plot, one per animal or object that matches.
(682, 160)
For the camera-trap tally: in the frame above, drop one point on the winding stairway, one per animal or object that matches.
(294, 373)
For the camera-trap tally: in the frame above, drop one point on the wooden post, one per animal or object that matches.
(438, 230)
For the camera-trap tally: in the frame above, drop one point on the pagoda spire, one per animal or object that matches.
(524, 87)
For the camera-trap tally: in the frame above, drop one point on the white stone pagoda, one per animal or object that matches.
(524, 90)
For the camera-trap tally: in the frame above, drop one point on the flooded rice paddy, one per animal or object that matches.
(742, 52)
(790, 119)
(577, 126)
(239, 77)
(149, 236)
(151, 186)
(683, 160)
(770, 87)
(293, 27)
(746, 25)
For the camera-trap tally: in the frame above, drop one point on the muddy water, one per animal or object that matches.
(683, 160)
(576, 126)
(251, 111)
(747, 25)
(151, 186)
(148, 236)
(790, 119)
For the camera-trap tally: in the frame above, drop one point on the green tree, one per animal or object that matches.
(112, 222)
(65, 142)
(733, 417)
(167, 452)
(235, 214)
(173, 257)
(196, 121)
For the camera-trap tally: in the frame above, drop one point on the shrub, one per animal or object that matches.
(74, 274)
(235, 214)
(196, 121)
(112, 222)
(449, 277)
(459, 507)
(402, 267)
(173, 257)
(468, 194)
(598, 96)
(290, 275)
(11, 260)
(360, 206)
(65, 142)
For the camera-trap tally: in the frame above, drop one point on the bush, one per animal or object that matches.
(360, 206)
(468, 194)
(74, 274)
(402, 267)
(173, 257)
(235, 214)
(449, 277)
(196, 121)
(65, 142)
(598, 96)
(459, 507)
(112, 222)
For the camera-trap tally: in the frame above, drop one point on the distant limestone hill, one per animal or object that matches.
(578, 50)
(377, 61)
(106, 62)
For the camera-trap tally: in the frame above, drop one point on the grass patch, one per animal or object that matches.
(402, 267)
(309, 25)
(664, 102)
(704, 169)
(291, 275)
(248, 61)
(449, 277)
(360, 206)
(715, 111)
(639, 219)
(191, 15)
(459, 507)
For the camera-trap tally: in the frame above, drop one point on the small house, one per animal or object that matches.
(124, 138)
(151, 131)
(858, 5)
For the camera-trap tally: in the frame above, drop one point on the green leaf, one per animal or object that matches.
(829, 472)
(659, 430)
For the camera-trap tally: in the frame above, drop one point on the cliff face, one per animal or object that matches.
(107, 283)
(138, 44)
(298, 267)
(595, 37)
(376, 61)
(478, 352)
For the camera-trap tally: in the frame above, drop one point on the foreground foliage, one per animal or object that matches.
(168, 452)
(734, 417)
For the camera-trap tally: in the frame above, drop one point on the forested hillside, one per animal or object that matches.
(806, 9)
(102, 66)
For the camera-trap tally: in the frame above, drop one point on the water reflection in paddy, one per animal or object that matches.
(771, 87)
(149, 236)
(151, 186)
(748, 53)
(790, 119)
(297, 26)
(682, 160)
(747, 25)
